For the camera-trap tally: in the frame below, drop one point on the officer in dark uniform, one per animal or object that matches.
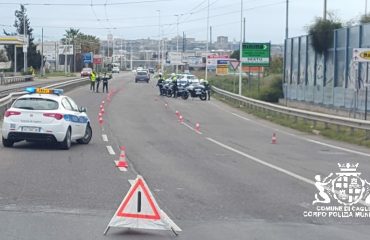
(160, 84)
(174, 86)
(98, 79)
(105, 82)
(207, 87)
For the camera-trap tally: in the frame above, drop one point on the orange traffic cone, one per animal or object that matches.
(274, 139)
(197, 127)
(181, 119)
(122, 163)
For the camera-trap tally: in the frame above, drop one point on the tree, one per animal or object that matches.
(84, 43)
(365, 19)
(33, 56)
(322, 33)
(235, 54)
(3, 57)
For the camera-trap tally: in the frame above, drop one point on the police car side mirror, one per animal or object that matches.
(82, 109)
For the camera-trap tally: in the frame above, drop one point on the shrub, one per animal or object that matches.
(273, 91)
(322, 35)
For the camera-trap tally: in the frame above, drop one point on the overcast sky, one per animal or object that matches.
(132, 19)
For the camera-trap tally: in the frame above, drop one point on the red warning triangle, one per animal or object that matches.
(138, 203)
(234, 64)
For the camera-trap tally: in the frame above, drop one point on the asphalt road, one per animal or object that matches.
(229, 182)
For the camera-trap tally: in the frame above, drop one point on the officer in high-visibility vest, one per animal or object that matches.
(92, 81)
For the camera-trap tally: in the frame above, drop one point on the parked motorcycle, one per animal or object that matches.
(196, 91)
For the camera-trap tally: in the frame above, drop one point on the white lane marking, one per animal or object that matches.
(247, 119)
(191, 128)
(304, 138)
(282, 170)
(105, 137)
(110, 150)
(339, 148)
(306, 180)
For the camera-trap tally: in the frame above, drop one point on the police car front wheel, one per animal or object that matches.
(7, 142)
(88, 134)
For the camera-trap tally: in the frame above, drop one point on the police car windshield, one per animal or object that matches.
(36, 104)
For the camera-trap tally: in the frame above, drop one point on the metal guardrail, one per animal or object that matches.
(5, 102)
(16, 79)
(307, 115)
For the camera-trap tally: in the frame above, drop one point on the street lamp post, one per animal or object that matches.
(206, 74)
(325, 5)
(177, 41)
(240, 47)
(159, 38)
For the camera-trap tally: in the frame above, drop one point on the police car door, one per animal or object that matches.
(80, 121)
(70, 117)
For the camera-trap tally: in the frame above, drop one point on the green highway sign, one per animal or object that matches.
(256, 54)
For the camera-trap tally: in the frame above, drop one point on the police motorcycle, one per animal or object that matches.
(196, 90)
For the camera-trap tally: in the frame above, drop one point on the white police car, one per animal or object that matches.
(46, 115)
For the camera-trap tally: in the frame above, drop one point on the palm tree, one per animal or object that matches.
(70, 35)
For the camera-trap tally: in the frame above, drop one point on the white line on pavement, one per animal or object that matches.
(105, 137)
(247, 119)
(307, 139)
(289, 173)
(110, 150)
(339, 148)
(191, 128)
(306, 180)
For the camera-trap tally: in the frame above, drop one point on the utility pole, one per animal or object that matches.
(244, 30)
(325, 5)
(159, 38)
(177, 41)
(206, 74)
(74, 54)
(365, 8)
(24, 45)
(42, 51)
(240, 47)
(285, 50)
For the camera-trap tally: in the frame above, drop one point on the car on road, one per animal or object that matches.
(142, 76)
(115, 70)
(46, 115)
(151, 70)
(86, 72)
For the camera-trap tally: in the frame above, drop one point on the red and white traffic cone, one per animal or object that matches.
(101, 121)
(103, 102)
(197, 127)
(121, 164)
(274, 138)
(102, 110)
(177, 113)
(181, 119)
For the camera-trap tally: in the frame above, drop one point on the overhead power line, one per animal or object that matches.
(84, 4)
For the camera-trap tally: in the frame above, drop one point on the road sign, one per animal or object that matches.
(361, 55)
(234, 64)
(256, 54)
(97, 59)
(87, 57)
(140, 210)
